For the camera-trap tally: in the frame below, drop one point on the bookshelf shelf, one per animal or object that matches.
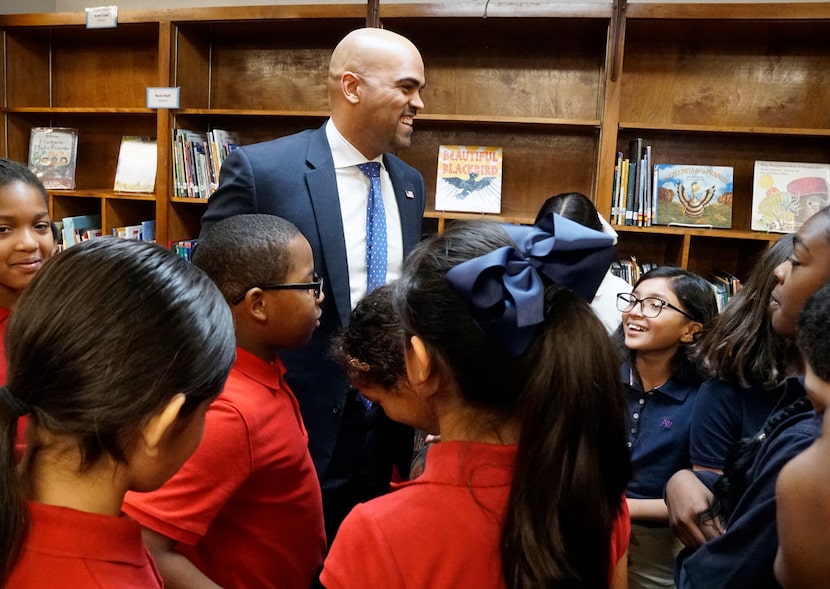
(550, 83)
(80, 110)
(724, 130)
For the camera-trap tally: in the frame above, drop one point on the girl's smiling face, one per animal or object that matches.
(662, 333)
(26, 239)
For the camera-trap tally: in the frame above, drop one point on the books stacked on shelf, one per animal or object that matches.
(136, 169)
(785, 194)
(631, 201)
(221, 143)
(53, 155)
(691, 195)
(630, 270)
(469, 179)
(146, 231)
(726, 286)
(80, 228)
(197, 159)
(183, 248)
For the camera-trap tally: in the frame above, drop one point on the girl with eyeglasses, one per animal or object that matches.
(662, 319)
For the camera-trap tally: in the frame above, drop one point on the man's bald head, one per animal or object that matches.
(375, 81)
(363, 50)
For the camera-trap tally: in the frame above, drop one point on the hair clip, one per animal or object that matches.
(358, 364)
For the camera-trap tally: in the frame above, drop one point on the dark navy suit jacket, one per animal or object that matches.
(293, 177)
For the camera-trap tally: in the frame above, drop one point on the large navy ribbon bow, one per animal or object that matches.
(505, 287)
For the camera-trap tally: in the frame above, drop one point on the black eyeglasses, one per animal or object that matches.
(650, 307)
(315, 286)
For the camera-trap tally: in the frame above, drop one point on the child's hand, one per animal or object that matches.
(686, 499)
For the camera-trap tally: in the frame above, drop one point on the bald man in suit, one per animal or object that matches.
(311, 178)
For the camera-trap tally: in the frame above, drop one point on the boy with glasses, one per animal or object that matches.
(246, 510)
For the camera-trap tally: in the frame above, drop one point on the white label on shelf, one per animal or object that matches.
(163, 97)
(102, 17)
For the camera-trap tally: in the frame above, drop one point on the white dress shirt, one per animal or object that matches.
(353, 190)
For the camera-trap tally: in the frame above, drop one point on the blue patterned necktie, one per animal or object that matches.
(375, 229)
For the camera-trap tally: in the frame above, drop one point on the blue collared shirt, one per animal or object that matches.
(659, 422)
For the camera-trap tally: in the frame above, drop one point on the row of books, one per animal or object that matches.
(784, 194)
(197, 159)
(631, 202)
(183, 248)
(78, 228)
(630, 270)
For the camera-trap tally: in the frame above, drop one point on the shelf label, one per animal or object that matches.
(163, 97)
(102, 17)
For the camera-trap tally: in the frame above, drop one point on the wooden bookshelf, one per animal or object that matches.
(561, 87)
(724, 84)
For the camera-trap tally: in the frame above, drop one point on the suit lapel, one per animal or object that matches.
(408, 205)
(322, 189)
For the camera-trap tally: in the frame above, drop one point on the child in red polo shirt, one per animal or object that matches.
(113, 405)
(246, 511)
(519, 377)
(26, 242)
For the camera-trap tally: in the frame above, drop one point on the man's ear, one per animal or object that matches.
(349, 86)
(690, 332)
(160, 423)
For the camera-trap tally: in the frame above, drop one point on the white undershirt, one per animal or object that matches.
(353, 189)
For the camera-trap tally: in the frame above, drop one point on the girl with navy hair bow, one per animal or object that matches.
(509, 364)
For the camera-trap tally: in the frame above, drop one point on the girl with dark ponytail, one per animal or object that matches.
(118, 348)
(512, 368)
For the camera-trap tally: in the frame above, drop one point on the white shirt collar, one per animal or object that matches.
(343, 153)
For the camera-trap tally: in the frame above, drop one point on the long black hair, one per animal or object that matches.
(572, 464)
(104, 336)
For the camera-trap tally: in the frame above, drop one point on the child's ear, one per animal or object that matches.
(254, 305)
(160, 423)
(419, 369)
(690, 332)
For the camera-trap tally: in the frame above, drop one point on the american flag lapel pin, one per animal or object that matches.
(409, 194)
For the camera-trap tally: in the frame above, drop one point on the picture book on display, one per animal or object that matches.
(136, 170)
(52, 156)
(469, 179)
(693, 195)
(785, 194)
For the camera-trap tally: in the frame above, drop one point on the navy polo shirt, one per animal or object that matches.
(659, 421)
(725, 413)
(743, 557)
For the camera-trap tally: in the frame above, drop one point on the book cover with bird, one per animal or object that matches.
(693, 195)
(469, 179)
(785, 194)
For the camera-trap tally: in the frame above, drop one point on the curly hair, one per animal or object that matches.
(370, 347)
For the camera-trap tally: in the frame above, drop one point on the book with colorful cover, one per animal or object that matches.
(693, 195)
(469, 179)
(136, 169)
(53, 155)
(785, 194)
